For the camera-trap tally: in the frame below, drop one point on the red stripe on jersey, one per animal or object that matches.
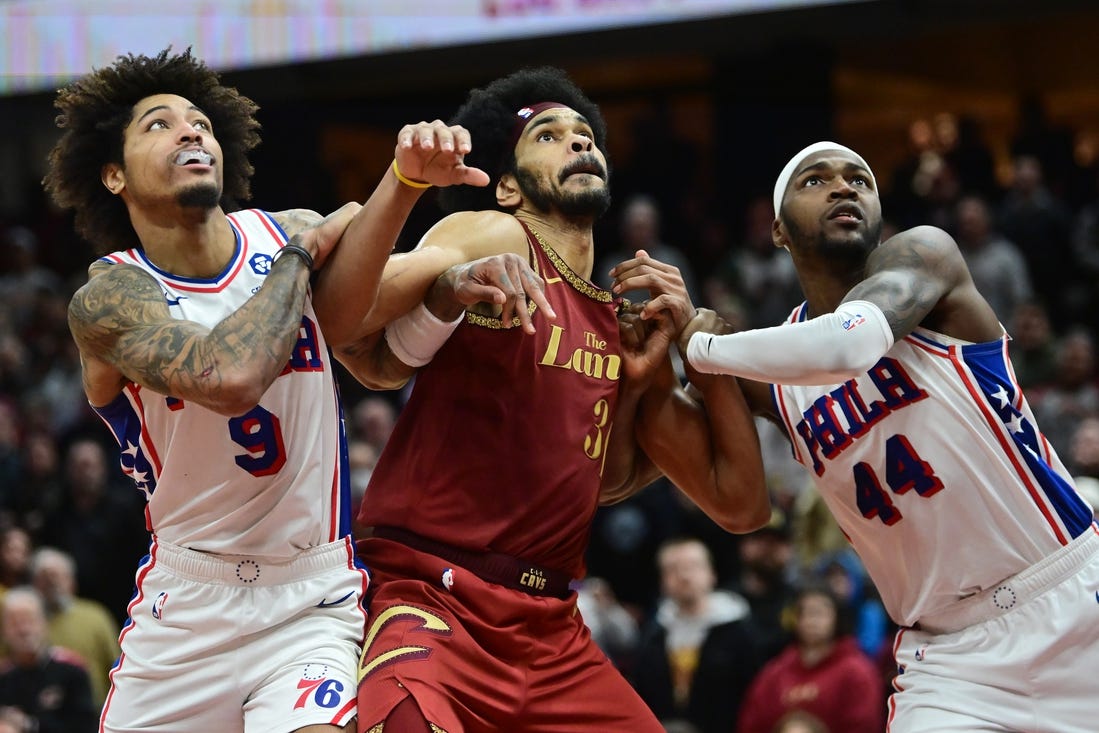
(997, 429)
(334, 512)
(941, 351)
(271, 228)
(221, 285)
(789, 425)
(146, 439)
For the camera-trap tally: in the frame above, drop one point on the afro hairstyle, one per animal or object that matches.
(94, 112)
(489, 114)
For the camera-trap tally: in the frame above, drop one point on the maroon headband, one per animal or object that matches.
(523, 117)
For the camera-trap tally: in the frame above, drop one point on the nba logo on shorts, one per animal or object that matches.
(158, 605)
(448, 578)
(921, 652)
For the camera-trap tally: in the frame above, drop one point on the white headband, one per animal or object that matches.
(788, 171)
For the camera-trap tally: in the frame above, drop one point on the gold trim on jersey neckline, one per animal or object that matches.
(578, 284)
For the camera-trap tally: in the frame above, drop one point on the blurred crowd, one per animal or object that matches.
(777, 630)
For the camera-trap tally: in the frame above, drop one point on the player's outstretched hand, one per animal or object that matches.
(506, 280)
(669, 298)
(434, 153)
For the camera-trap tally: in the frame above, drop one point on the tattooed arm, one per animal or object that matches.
(125, 332)
(919, 276)
(916, 277)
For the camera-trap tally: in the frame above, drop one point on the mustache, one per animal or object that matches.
(583, 164)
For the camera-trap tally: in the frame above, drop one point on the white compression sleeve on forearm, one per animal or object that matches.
(417, 335)
(823, 350)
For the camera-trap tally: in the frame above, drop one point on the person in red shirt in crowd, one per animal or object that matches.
(822, 672)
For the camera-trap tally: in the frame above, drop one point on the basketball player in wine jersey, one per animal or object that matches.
(529, 414)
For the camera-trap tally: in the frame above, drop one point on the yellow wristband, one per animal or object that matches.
(407, 181)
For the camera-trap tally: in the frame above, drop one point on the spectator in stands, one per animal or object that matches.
(759, 273)
(698, 655)
(11, 464)
(24, 278)
(1074, 393)
(639, 227)
(845, 576)
(41, 489)
(1083, 455)
(15, 553)
(46, 685)
(822, 672)
(766, 563)
(100, 524)
(996, 264)
(1033, 347)
(77, 624)
(1038, 222)
(372, 420)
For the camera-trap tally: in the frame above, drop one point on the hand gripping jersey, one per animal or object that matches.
(271, 482)
(501, 445)
(933, 465)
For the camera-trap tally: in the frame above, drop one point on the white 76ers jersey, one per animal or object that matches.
(270, 482)
(933, 466)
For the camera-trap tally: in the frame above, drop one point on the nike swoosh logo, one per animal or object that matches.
(325, 604)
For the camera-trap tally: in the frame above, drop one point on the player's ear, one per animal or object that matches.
(779, 235)
(113, 177)
(508, 195)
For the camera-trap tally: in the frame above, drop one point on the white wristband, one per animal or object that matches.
(417, 335)
(827, 349)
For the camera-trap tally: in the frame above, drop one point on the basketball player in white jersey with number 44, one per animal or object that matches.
(202, 350)
(895, 389)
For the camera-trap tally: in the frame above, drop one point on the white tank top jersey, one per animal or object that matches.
(934, 468)
(268, 483)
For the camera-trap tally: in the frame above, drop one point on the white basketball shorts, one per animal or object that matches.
(239, 644)
(1023, 656)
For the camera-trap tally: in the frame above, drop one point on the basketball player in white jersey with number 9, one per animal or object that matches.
(204, 351)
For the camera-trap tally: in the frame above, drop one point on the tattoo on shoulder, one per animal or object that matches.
(119, 313)
(115, 295)
(295, 221)
(907, 278)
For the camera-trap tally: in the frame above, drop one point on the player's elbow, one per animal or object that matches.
(849, 363)
(372, 370)
(237, 394)
(741, 519)
(742, 507)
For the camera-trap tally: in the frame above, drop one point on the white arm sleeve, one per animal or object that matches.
(417, 335)
(824, 350)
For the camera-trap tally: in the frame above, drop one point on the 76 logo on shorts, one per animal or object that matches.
(314, 683)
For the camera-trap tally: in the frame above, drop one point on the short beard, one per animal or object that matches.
(858, 249)
(590, 203)
(199, 196)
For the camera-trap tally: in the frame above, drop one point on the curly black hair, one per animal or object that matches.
(94, 112)
(489, 115)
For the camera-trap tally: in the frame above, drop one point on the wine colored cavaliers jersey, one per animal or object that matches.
(934, 467)
(501, 444)
(271, 482)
